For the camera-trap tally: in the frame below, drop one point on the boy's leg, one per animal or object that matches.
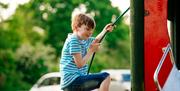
(90, 82)
(98, 80)
(105, 84)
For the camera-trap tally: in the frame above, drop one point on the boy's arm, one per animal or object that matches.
(81, 61)
(108, 28)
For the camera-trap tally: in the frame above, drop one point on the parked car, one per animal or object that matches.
(121, 79)
(48, 82)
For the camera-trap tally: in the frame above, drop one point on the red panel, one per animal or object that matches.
(165, 70)
(155, 38)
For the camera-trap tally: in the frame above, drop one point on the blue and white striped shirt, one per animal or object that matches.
(69, 70)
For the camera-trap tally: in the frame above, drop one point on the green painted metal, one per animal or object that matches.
(137, 44)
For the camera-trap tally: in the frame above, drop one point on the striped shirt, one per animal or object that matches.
(68, 68)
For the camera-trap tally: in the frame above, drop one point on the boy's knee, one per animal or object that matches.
(108, 78)
(106, 74)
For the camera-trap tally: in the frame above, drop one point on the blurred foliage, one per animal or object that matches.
(3, 5)
(31, 40)
(33, 60)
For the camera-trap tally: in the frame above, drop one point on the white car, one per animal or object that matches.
(121, 80)
(48, 82)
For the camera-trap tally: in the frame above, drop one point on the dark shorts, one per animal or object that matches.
(87, 82)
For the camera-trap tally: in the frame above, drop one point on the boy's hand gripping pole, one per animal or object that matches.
(119, 17)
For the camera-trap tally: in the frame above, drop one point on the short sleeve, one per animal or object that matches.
(74, 46)
(90, 40)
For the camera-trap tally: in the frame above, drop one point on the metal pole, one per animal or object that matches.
(137, 44)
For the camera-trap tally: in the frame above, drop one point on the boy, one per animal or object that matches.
(77, 50)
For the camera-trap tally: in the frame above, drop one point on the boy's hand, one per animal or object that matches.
(94, 46)
(109, 27)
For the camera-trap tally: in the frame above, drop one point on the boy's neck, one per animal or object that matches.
(75, 33)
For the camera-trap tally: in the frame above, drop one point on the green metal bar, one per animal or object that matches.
(137, 44)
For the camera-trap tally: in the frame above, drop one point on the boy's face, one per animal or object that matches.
(84, 32)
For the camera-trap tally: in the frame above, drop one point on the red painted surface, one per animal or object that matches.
(155, 38)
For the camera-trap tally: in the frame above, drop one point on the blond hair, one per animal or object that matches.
(81, 19)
